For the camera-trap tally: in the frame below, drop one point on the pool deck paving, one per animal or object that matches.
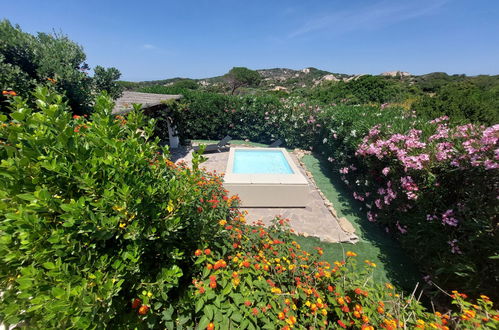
(315, 219)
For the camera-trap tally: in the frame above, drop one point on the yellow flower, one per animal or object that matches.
(122, 225)
(222, 222)
(324, 311)
(169, 208)
(149, 294)
(276, 290)
(308, 303)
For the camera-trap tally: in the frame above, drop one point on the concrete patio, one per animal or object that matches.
(313, 220)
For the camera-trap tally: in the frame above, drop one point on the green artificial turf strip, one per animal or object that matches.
(393, 264)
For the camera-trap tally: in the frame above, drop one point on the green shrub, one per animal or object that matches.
(466, 101)
(362, 90)
(94, 218)
(265, 280)
(27, 60)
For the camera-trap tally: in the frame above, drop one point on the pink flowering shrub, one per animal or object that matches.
(434, 185)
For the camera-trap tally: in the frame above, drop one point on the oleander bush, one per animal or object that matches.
(431, 184)
(95, 217)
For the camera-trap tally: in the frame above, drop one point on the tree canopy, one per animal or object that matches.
(27, 60)
(240, 76)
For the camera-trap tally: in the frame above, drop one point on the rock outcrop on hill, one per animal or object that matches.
(395, 74)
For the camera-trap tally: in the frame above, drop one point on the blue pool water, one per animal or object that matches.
(260, 162)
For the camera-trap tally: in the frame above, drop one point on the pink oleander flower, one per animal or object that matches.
(358, 197)
(448, 218)
(385, 171)
(371, 216)
(453, 247)
(401, 229)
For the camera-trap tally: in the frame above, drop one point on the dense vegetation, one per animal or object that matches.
(431, 183)
(27, 60)
(100, 229)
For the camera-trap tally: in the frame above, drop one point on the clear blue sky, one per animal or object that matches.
(198, 38)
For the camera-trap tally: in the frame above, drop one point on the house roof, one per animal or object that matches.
(148, 100)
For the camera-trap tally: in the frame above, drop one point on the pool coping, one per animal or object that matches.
(296, 178)
(267, 190)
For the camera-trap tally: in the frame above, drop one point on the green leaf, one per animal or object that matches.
(27, 197)
(203, 323)
(48, 265)
(199, 305)
(19, 116)
(236, 317)
(58, 292)
(208, 311)
(244, 324)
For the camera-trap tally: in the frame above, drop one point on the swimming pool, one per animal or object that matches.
(264, 177)
(248, 161)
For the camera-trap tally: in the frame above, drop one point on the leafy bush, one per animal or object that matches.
(467, 101)
(430, 184)
(105, 80)
(362, 90)
(339, 133)
(27, 60)
(94, 218)
(264, 280)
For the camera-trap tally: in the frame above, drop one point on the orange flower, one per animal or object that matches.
(247, 303)
(143, 309)
(380, 310)
(351, 254)
(210, 326)
(213, 285)
(198, 253)
(342, 324)
(281, 316)
(9, 93)
(207, 252)
(136, 303)
(254, 311)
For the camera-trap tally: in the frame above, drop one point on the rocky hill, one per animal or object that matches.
(277, 79)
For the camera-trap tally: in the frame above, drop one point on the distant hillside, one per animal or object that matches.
(276, 78)
(283, 79)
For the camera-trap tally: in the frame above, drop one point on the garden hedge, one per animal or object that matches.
(433, 184)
